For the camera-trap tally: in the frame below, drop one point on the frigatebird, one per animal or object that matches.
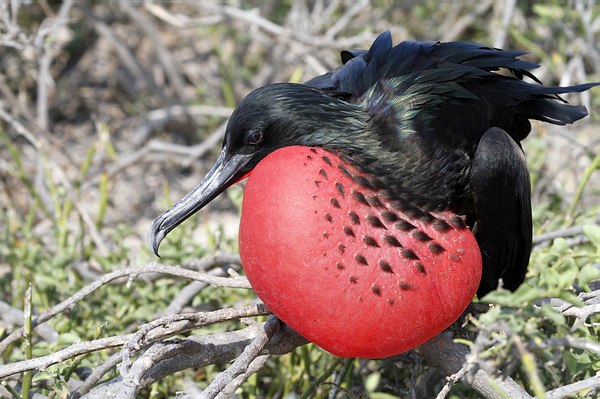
(431, 129)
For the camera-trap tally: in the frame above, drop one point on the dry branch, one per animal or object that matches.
(157, 361)
(242, 362)
(167, 358)
(131, 273)
(160, 329)
(591, 384)
(15, 316)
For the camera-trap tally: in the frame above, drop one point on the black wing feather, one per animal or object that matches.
(502, 197)
(505, 101)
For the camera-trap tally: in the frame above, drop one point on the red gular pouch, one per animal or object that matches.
(355, 273)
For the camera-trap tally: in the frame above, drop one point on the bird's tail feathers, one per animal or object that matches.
(543, 105)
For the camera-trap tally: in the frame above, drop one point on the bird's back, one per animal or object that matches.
(450, 91)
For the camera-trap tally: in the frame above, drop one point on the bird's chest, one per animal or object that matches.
(343, 264)
(435, 174)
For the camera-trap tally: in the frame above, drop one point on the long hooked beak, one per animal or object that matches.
(227, 170)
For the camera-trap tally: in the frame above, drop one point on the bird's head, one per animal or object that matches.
(269, 118)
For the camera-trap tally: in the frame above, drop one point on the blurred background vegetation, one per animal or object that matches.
(111, 111)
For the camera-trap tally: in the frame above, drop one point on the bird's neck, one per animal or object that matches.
(426, 173)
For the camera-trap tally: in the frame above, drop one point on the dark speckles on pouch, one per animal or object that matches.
(354, 217)
(323, 173)
(428, 217)
(348, 231)
(385, 266)
(340, 188)
(390, 301)
(436, 248)
(309, 157)
(409, 254)
(363, 181)
(313, 150)
(421, 236)
(341, 248)
(457, 222)
(327, 160)
(441, 226)
(403, 225)
(420, 267)
(375, 201)
(340, 266)
(360, 197)
(328, 217)
(353, 279)
(405, 286)
(345, 171)
(414, 212)
(370, 241)
(376, 290)
(335, 203)
(393, 241)
(454, 258)
(375, 222)
(317, 183)
(390, 216)
(361, 259)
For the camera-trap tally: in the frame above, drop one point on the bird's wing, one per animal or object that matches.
(500, 184)
(421, 86)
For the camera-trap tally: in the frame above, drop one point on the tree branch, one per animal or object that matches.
(131, 273)
(151, 332)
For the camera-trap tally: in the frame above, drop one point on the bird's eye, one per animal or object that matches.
(254, 137)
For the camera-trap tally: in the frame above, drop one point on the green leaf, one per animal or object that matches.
(571, 298)
(491, 315)
(560, 245)
(592, 231)
(526, 294)
(498, 297)
(551, 314)
(372, 382)
(589, 273)
(382, 395)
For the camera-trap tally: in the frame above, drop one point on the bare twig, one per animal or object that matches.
(15, 316)
(591, 306)
(131, 273)
(76, 349)
(442, 352)
(453, 379)
(192, 320)
(194, 352)
(192, 154)
(46, 40)
(186, 294)
(229, 390)
(97, 375)
(129, 60)
(540, 239)
(355, 9)
(156, 118)
(241, 364)
(169, 65)
(572, 342)
(463, 23)
(592, 384)
(252, 17)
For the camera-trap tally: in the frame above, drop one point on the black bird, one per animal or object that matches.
(436, 125)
